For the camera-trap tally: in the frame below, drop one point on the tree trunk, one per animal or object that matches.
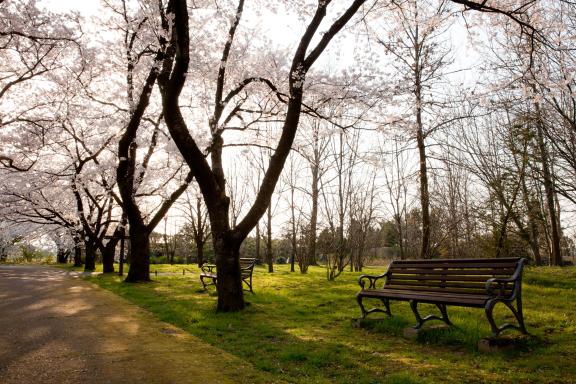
(556, 258)
(257, 241)
(532, 224)
(77, 252)
(400, 233)
(108, 254)
(108, 260)
(90, 260)
(200, 252)
(293, 237)
(139, 255)
(61, 256)
(229, 283)
(269, 255)
(424, 196)
(313, 216)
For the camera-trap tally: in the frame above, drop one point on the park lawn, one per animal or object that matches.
(299, 327)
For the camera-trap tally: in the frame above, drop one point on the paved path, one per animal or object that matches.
(57, 328)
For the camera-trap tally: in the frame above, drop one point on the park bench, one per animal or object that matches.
(246, 266)
(480, 283)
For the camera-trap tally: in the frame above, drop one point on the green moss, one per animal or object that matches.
(300, 328)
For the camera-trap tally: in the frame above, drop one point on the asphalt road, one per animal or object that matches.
(57, 328)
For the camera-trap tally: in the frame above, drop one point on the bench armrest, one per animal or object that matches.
(372, 279)
(209, 268)
(497, 285)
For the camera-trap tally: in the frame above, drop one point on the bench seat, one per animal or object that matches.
(465, 300)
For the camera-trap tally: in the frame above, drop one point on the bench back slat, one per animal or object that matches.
(467, 291)
(246, 262)
(466, 276)
(247, 266)
(444, 271)
(447, 278)
(457, 264)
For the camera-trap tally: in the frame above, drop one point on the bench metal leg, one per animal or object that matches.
(420, 321)
(249, 283)
(444, 312)
(202, 281)
(517, 314)
(386, 303)
(520, 315)
(366, 312)
(204, 284)
(362, 309)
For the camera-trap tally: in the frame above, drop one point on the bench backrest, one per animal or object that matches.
(247, 265)
(466, 276)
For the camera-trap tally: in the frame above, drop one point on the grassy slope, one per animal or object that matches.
(299, 328)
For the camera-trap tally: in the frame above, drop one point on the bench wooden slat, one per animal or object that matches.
(393, 292)
(476, 300)
(480, 272)
(436, 265)
(432, 283)
(437, 284)
(439, 290)
(482, 295)
(513, 260)
(397, 276)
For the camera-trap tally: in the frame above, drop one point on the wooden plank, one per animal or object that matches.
(441, 271)
(419, 288)
(419, 277)
(448, 261)
(422, 297)
(457, 265)
(482, 295)
(440, 284)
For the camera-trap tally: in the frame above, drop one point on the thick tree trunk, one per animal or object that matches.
(61, 256)
(77, 255)
(229, 283)
(90, 260)
(108, 254)
(139, 255)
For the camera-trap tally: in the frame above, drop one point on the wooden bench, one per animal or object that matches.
(480, 283)
(246, 266)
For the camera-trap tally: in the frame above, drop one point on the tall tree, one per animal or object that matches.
(421, 56)
(210, 176)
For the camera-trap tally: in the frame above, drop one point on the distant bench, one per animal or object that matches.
(480, 283)
(246, 267)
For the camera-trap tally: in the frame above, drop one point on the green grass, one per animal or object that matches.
(299, 327)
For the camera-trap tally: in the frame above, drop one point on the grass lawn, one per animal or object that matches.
(299, 328)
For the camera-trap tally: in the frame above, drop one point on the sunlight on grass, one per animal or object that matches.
(299, 327)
